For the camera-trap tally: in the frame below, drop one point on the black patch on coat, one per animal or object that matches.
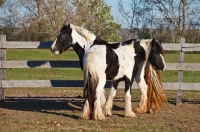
(80, 51)
(112, 62)
(115, 84)
(128, 84)
(99, 41)
(140, 57)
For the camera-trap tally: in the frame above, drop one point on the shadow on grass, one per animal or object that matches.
(53, 105)
(43, 105)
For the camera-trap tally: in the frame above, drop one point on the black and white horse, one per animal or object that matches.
(81, 40)
(124, 63)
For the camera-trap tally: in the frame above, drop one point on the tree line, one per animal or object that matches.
(41, 20)
(167, 20)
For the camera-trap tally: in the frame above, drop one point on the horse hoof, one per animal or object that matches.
(107, 112)
(99, 117)
(130, 114)
(139, 110)
(86, 117)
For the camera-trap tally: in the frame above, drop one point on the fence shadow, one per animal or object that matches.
(50, 105)
(43, 105)
(184, 100)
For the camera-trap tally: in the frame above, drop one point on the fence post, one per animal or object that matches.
(180, 73)
(2, 70)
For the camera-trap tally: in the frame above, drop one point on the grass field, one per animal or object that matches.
(58, 109)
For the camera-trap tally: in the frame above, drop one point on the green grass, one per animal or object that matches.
(45, 54)
(74, 73)
(38, 54)
(44, 74)
(188, 58)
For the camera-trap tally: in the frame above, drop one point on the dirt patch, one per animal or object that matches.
(59, 110)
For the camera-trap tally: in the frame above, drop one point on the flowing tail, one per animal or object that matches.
(90, 84)
(155, 93)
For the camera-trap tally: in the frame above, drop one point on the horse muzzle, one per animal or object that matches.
(55, 51)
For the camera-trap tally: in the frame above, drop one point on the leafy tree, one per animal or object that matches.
(96, 17)
(41, 20)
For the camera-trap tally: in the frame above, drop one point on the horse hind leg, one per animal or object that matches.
(98, 113)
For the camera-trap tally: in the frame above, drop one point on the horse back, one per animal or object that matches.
(99, 41)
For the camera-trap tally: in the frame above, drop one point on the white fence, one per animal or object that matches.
(179, 66)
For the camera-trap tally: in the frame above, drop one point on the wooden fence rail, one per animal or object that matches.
(179, 66)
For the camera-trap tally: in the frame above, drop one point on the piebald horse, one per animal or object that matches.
(124, 63)
(81, 40)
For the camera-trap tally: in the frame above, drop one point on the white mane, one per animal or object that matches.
(146, 44)
(88, 35)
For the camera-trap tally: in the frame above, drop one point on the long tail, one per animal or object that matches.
(90, 83)
(155, 93)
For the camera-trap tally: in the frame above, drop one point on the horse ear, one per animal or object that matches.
(153, 42)
(68, 26)
(82, 27)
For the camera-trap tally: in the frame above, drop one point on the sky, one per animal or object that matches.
(114, 11)
(113, 3)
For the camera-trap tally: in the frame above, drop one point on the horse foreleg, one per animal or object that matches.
(98, 113)
(142, 108)
(128, 108)
(109, 102)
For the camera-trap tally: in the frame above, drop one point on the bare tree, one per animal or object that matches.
(138, 16)
(41, 20)
(165, 19)
(2, 2)
(10, 19)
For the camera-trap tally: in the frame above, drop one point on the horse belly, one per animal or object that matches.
(126, 64)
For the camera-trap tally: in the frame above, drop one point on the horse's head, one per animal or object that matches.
(63, 40)
(71, 35)
(156, 55)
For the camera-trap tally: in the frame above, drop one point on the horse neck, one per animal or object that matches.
(146, 47)
(80, 40)
(80, 46)
(80, 51)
